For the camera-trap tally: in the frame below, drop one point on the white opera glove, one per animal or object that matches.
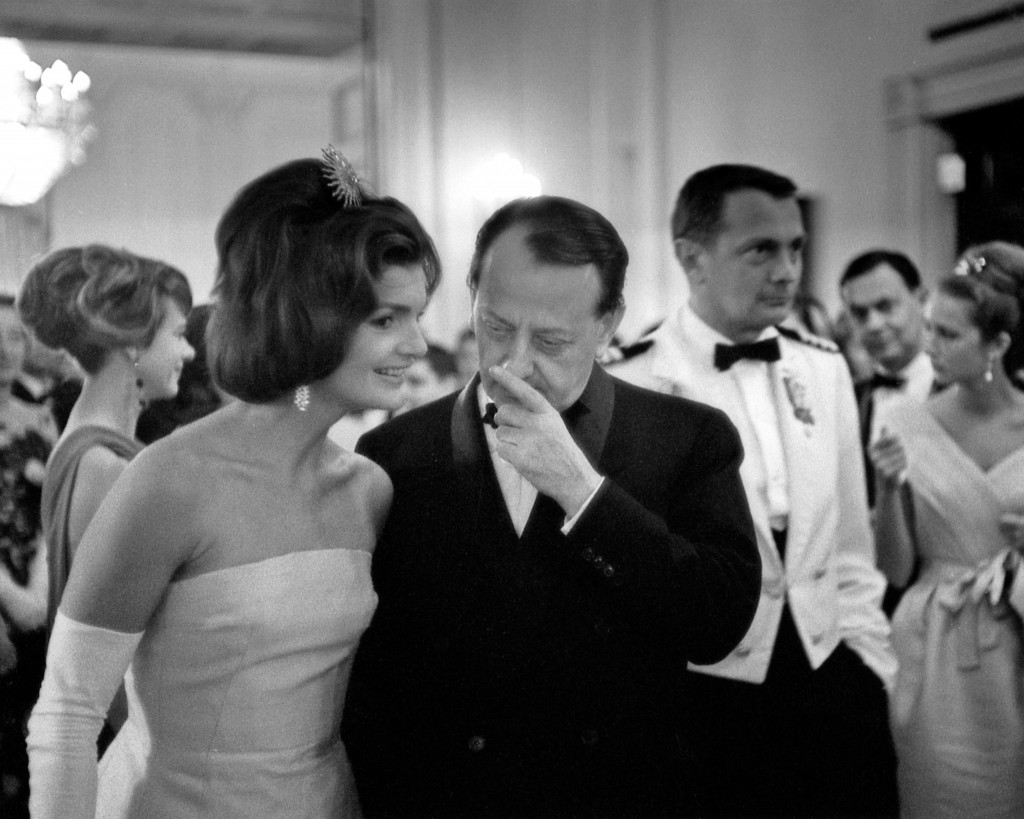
(84, 666)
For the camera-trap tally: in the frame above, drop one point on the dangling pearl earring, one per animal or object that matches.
(139, 384)
(988, 372)
(302, 398)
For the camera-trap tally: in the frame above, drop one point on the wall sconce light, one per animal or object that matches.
(951, 173)
(501, 180)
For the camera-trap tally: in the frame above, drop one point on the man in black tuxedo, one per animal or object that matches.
(884, 298)
(559, 546)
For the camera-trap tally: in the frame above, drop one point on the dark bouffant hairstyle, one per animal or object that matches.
(697, 215)
(560, 231)
(93, 299)
(990, 277)
(295, 278)
(866, 262)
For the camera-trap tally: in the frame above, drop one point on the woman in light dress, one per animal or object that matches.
(949, 513)
(228, 570)
(121, 317)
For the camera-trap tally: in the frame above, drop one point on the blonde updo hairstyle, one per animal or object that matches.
(95, 299)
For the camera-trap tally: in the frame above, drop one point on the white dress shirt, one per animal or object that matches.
(759, 403)
(919, 377)
(519, 493)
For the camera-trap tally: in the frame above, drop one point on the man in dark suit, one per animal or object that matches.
(884, 298)
(551, 561)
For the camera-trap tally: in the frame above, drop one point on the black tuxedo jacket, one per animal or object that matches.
(544, 675)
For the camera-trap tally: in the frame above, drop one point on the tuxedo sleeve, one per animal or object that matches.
(681, 559)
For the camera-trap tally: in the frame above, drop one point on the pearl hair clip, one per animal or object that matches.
(341, 178)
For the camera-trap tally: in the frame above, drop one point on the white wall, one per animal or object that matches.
(613, 102)
(796, 86)
(564, 86)
(616, 103)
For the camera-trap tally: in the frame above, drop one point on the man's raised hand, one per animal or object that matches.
(533, 438)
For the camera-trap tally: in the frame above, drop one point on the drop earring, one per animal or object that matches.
(302, 398)
(139, 385)
(988, 372)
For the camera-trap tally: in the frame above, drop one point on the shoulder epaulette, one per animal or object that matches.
(633, 350)
(811, 340)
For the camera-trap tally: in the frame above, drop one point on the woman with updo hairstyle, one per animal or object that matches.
(122, 318)
(228, 569)
(950, 528)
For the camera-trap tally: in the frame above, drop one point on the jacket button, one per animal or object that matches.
(477, 744)
(588, 555)
(817, 638)
(743, 651)
(819, 574)
(608, 570)
(589, 737)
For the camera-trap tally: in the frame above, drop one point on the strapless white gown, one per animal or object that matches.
(236, 691)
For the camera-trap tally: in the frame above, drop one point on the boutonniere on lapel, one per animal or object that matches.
(796, 392)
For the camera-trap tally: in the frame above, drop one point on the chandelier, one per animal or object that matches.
(44, 125)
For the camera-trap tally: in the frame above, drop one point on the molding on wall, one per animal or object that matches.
(320, 28)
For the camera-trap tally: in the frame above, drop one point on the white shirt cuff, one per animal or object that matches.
(567, 526)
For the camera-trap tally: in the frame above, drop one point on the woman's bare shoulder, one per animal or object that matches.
(353, 472)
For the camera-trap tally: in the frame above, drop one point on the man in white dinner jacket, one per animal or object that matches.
(793, 722)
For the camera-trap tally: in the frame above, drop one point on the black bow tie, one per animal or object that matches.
(728, 354)
(892, 382)
(489, 411)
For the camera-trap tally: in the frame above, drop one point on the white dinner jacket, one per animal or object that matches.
(829, 576)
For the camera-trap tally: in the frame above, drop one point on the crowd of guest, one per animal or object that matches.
(282, 555)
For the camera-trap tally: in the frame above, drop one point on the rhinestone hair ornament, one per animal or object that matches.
(969, 264)
(341, 178)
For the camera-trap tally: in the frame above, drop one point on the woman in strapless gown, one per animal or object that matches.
(226, 576)
(949, 515)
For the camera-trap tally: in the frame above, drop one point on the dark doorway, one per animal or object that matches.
(991, 142)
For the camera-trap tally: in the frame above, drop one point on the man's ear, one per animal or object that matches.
(691, 256)
(609, 324)
(1001, 344)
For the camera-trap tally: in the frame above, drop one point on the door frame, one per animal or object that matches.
(922, 215)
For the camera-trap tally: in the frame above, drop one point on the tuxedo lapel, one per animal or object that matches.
(545, 523)
(471, 461)
(485, 515)
(591, 430)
